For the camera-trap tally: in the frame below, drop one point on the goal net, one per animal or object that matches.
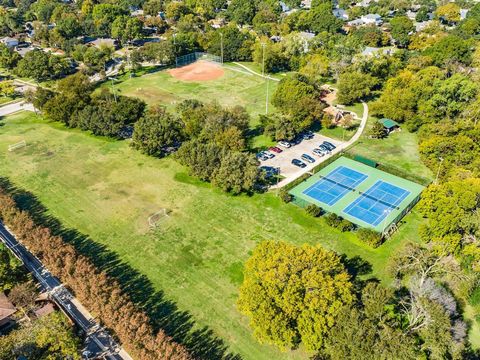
(157, 218)
(17, 146)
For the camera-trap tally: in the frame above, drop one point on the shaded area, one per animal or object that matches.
(163, 313)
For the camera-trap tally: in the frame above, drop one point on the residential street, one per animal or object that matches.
(99, 344)
(15, 107)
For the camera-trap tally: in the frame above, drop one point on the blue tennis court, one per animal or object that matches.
(332, 187)
(373, 206)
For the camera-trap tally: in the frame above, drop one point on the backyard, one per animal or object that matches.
(106, 190)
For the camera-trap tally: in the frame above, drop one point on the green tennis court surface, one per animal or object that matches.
(366, 196)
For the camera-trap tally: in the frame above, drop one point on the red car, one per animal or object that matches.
(276, 149)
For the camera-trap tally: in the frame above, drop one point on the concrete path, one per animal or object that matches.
(15, 107)
(339, 149)
(254, 72)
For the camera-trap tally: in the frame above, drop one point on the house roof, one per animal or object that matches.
(6, 307)
(8, 39)
(388, 123)
(45, 310)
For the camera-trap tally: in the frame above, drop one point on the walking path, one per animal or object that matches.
(339, 149)
(254, 72)
(15, 107)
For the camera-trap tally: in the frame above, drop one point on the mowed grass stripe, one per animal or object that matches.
(106, 190)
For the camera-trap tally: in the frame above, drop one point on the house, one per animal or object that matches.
(305, 38)
(46, 309)
(340, 14)
(389, 125)
(9, 42)
(6, 309)
(103, 42)
(375, 51)
(285, 7)
(306, 4)
(372, 19)
(463, 14)
(364, 3)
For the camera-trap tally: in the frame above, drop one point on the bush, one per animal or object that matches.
(345, 225)
(313, 210)
(327, 122)
(370, 237)
(284, 195)
(333, 220)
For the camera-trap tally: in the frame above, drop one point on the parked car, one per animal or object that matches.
(276, 149)
(307, 135)
(269, 155)
(307, 158)
(284, 144)
(298, 163)
(261, 156)
(329, 145)
(269, 171)
(324, 148)
(318, 152)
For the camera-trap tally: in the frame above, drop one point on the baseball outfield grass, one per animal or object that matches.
(106, 190)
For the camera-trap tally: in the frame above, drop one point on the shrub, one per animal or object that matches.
(333, 220)
(345, 225)
(370, 237)
(313, 210)
(284, 195)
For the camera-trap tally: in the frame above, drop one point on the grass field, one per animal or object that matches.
(399, 149)
(234, 88)
(106, 190)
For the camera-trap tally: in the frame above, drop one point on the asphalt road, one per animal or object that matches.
(99, 343)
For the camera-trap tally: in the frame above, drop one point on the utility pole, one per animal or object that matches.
(175, 49)
(438, 171)
(263, 74)
(221, 45)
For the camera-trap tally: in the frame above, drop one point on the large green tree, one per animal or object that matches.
(156, 131)
(293, 294)
(401, 26)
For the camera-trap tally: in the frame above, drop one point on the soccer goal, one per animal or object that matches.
(17, 146)
(157, 218)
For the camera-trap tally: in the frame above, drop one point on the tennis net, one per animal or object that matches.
(395, 207)
(337, 183)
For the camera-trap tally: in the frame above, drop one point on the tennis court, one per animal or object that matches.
(377, 203)
(332, 187)
(362, 194)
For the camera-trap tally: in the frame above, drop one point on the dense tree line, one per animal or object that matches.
(304, 295)
(100, 293)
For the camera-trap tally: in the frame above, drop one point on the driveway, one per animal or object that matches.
(284, 159)
(291, 176)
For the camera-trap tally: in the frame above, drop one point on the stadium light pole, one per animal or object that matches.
(438, 171)
(221, 46)
(175, 49)
(263, 74)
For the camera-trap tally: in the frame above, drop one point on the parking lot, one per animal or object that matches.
(283, 161)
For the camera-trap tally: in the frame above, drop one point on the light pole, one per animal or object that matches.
(221, 46)
(265, 77)
(438, 171)
(175, 49)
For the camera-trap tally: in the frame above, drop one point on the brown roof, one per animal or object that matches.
(45, 310)
(6, 307)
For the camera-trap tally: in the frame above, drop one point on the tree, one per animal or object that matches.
(126, 28)
(7, 89)
(369, 330)
(238, 172)
(241, 11)
(320, 18)
(449, 13)
(10, 270)
(378, 131)
(237, 44)
(401, 26)
(355, 86)
(450, 49)
(104, 15)
(293, 294)
(313, 210)
(315, 67)
(156, 131)
(23, 296)
(40, 65)
(8, 57)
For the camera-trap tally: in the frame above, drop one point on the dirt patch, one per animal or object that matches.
(198, 71)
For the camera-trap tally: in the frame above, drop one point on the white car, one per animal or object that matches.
(284, 144)
(318, 152)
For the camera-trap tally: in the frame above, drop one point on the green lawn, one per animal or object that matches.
(399, 149)
(106, 190)
(234, 88)
(5, 99)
